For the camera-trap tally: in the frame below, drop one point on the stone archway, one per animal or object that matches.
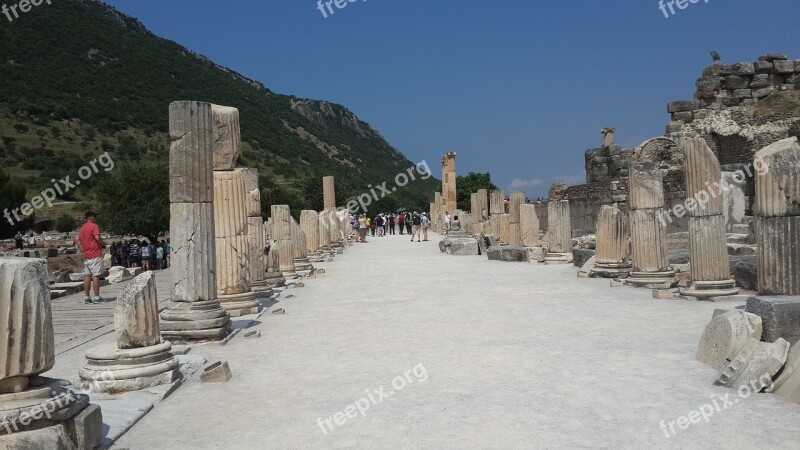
(663, 151)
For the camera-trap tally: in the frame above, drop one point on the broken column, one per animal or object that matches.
(194, 314)
(139, 359)
(230, 217)
(273, 276)
(648, 226)
(710, 269)
(309, 223)
(449, 192)
(255, 236)
(497, 204)
(329, 192)
(282, 235)
(777, 212)
(36, 412)
(299, 250)
(613, 244)
(483, 206)
(515, 201)
(529, 226)
(559, 230)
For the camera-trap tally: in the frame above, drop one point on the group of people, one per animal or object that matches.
(144, 254)
(19, 240)
(414, 224)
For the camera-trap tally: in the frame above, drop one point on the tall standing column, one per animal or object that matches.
(194, 314)
(309, 222)
(438, 218)
(449, 189)
(282, 234)
(529, 226)
(559, 230)
(497, 203)
(299, 250)
(778, 218)
(255, 236)
(483, 206)
(329, 193)
(649, 252)
(325, 233)
(613, 244)
(273, 276)
(515, 202)
(708, 246)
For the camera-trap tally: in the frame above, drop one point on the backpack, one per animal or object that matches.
(417, 220)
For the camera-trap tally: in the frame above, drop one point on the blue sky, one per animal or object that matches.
(518, 88)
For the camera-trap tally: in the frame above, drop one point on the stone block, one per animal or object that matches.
(787, 385)
(508, 253)
(764, 67)
(683, 106)
(763, 92)
(86, 429)
(777, 184)
(536, 254)
(685, 117)
(717, 69)
(218, 372)
(460, 246)
(743, 93)
(50, 438)
(780, 316)
(784, 66)
(734, 82)
(674, 127)
(663, 294)
(771, 57)
(227, 137)
(136, 315)
(580, 256)
(760, 81)
(755, 365)
(743, 68)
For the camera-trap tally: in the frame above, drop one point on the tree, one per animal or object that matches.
(12, 196)
(65, 223)
(134, 200)
(470, 184)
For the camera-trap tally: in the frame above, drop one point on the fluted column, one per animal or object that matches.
(648, 226)
(483, 205)
(505, 228)
(194, 312)
(255, 235)
(710, 269)
(309, 222)
(778, 218)
(299, 250)
(329, 192)
(529, 226)
(233, 259)
(515, 202)
(449, 188)
(438, 216)
(497, 202)
(613, 246)
(282, 234)
(324, 232)
(559, 230)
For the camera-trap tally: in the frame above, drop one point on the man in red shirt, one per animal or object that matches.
(91, 244)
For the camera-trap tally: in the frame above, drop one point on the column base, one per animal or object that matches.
(558, 258)
(302, 264)
(261, 289)
(707, 289)
(194, 322)
(274, 279)
(113, 370)
(653, 280)
(239, 305)
(611, 270)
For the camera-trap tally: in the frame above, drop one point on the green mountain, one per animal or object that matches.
(79, 78)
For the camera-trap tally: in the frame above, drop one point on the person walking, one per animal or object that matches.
(167, 254)
(160, 257)
(401, 221)
(145, 256)
(447, 221)
(426, 223)
(363, 227)
(417, 224)
(19, 241)
(409, 222)
(32, 242)
(136, 253)
(91, 245)
(392, 224)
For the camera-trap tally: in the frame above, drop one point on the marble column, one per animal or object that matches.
(648, 226)
(273, 275)
(231, 238)
(299, 248)
(194, 312)
(497, 203)
(449, 189)
(559, 230)
(255, 236)
(529, 226)
(778, 218)
(515, 202)
(282, 234)
(329, 193)
(325, 233)
(309, 223)
(613, 244)
(483, 205)
(710, 269)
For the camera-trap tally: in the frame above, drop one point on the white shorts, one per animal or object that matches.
(94, 267)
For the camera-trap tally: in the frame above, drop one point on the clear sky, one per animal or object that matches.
(518, 88)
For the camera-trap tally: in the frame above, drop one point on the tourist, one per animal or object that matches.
(409, 220)
(455, 225)
(160, 256)
(416, 220)
(167, 254)
(392, 224)
(447, 221)
(123, 254)
(145, 256)
(379, 224)
(426, 223)
(363, 227)
(401, 221)
(32, 242)
(91, 245)
(153, 246)
(357, 228)
(19, 240)
(136, 253)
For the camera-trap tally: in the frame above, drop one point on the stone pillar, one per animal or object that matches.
(449, 190)
(194, 314)
(299, 248)
(232, 247)
(516, 200)
(329, 193)
(497, 203)
(648, 225)
(778, 218)
(529, 226)
(559, 230)
(255, 236)
(36, 412)
(613, 244)
(438, 217)
(483, 206)
(140, 359)
(309, 223)
(325, 232)
(710, 269)
(273, 276)
(505, 228)
(282, 234)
